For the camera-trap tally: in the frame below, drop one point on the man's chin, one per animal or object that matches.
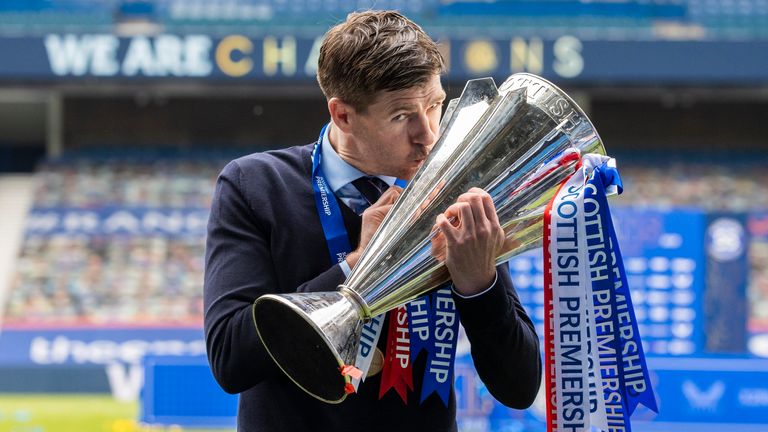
(409, 174)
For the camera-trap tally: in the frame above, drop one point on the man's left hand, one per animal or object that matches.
(471, 243)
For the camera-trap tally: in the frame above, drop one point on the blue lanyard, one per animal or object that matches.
(328, 209)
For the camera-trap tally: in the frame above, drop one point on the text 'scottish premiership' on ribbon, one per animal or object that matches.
(595, 365)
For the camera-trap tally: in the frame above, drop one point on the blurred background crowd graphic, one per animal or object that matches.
(117, 115)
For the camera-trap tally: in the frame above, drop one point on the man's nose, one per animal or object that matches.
(421, 131)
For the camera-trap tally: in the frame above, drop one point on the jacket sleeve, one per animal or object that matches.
(238, 269)
(505, 347)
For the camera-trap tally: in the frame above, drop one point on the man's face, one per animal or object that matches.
(398, 130)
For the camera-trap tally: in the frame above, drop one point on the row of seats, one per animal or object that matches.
(188, 183)
(717, 15)
(739, 186)
(107, 279)
(120, 183)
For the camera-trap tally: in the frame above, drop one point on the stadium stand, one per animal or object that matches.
(735, 186)
(624, 19)
(101, 277)
(96, 182)
(104, 277)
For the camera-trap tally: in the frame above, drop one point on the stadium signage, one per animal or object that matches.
(293, 57)
(236, 56)
(60, 349)
(134, 221)
(96, 345)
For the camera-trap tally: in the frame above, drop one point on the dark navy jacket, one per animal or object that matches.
(264, 236)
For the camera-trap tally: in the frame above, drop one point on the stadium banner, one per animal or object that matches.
(93, 345)
(757, 225)
(726, 243)
(699, 393)
(118, 220)
(89, 359)
(293, 57)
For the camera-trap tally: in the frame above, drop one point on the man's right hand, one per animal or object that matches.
(372, 218)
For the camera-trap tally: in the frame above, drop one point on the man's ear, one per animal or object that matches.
(342, 114)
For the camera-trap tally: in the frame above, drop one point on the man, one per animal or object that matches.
(381, 75)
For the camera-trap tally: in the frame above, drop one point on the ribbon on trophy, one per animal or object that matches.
(595, 367)
(397, 372)
(431, 325)
(441, 349)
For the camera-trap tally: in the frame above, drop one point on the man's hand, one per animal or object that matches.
(469, 246)
(372, 218)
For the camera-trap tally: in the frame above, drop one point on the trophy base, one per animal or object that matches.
(309, 344)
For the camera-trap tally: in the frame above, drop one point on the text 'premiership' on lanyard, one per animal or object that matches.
(596, 373)
(414, 327)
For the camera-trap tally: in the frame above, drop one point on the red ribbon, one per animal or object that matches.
(549, 314)
(397, 370)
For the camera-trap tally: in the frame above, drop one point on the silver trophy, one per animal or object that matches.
(517, 142)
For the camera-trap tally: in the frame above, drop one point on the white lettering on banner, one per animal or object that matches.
(368, 340)
(420, 318)
(323, 195)
(368, 336)
(122, 221)
(753, 397)
(78, 56)
(170, 52)
(125, 381)
(140, 58)
(403, 345)
(310, 66)
(42, 221)
(703, 399)
(569, 274)
(61, 350)
(197, 56)
(97, 55)
(605, 398)
(170, 55)
(170, 223)
(445, 313)
(81, 221)
(569, 63)
(133, 221)
(634, 378)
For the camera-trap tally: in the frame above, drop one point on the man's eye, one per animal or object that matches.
(436, 105)
(400, 117)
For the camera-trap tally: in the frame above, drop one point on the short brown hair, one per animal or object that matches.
(374, 51)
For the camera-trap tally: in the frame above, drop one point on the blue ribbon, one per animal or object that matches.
(634, 378)
(420, 325)
(438, 374)
(608, 346)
